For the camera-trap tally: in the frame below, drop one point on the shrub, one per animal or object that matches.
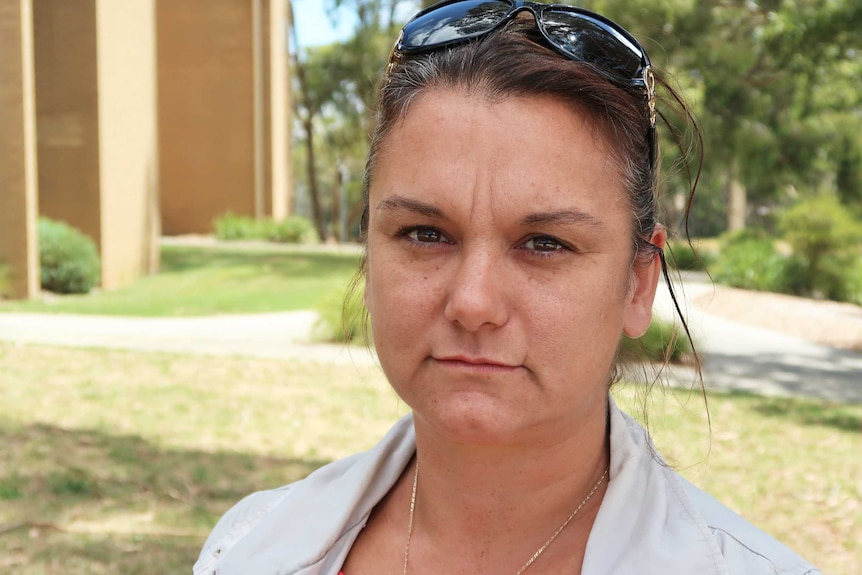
(233, 227)
(294, 229)
(682, 256)
(342, 319)
(749, 260)
(663, 341)
(5, 280)
(855, 283)
(825, 240)
(68, 259)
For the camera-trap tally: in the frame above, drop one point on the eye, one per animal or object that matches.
(424, 235)
(544, 244)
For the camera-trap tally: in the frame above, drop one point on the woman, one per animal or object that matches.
(511, 241)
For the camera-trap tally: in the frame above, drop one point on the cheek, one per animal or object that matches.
(398, 301)
(587, 313)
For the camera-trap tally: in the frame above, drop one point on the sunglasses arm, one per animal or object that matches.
(394, 55)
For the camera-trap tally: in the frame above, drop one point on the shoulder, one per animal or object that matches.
(668, 525)
(269, 520)
(305, 522)
(744, 547)
(239, 520)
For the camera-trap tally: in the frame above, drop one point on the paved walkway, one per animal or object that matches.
(735, 356)
(270, 335)
(741, 357)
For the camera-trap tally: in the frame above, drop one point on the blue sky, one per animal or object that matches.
(314, 25)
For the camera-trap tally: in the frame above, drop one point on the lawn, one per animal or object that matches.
(202, 280)
(118, 462)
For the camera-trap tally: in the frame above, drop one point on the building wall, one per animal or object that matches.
(128, 156)
(67, 113)
(18, 249)
(96, 125)
(206, 122)
(223, 111)
(86, 102)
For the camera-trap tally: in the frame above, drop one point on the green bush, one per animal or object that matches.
(855, 283)
(5, 280)
(343, 318)
(749, 260)
(825, 240)
(233, 227)
(682, 256)
(293, 230)
(68, 259)
(663, 341)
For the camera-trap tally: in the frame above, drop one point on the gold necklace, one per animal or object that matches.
(538, 552)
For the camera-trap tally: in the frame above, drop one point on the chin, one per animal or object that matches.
(473, 422)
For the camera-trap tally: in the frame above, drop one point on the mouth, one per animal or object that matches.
(467, 363)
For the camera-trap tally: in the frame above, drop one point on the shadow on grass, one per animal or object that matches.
(40, 552)
(117, 503)
(294, 265)
(805, 412)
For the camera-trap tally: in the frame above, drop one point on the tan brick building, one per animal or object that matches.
(223, 111)
(128, 117)
(18, 252)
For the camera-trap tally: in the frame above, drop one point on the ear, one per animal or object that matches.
(645, 276)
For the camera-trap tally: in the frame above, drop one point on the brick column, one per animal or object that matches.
(96, 122)
(18, 244)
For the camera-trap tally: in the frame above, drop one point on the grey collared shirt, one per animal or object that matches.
(651, 520)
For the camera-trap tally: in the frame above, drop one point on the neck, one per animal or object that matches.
(508, 496)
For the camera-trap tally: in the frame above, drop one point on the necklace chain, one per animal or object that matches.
(535, 555)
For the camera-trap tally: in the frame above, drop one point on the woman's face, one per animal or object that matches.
(500, 273)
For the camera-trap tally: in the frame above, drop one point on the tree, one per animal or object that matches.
(776, 84)
(335, 107)
(764, 77)
(763, 66)
(308, 106)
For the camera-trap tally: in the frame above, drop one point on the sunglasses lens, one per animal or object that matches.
(455, 21)
(590, 41)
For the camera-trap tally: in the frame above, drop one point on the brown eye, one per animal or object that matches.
(422, 235)
(543, 244)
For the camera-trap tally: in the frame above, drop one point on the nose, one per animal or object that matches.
(476, 297)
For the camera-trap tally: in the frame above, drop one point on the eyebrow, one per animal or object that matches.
(555, 217)
(400, 203)
(561, 217)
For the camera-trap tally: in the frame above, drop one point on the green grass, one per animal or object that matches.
(115, 462)
(203, 281)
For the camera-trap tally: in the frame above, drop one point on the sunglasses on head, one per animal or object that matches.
(575, 33)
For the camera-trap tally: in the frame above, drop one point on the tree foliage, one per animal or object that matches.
(335, 108)
(776, 85)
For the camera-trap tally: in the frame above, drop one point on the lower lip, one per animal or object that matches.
(475, 367)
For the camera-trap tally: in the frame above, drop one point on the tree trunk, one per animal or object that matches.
(308, 126)
(311, 174)
(737, 200)
(337, 207)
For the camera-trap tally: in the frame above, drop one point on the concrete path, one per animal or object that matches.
(741, 357)
(271, 335)
(735, 356)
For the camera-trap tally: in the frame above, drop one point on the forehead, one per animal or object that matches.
(534, 150)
